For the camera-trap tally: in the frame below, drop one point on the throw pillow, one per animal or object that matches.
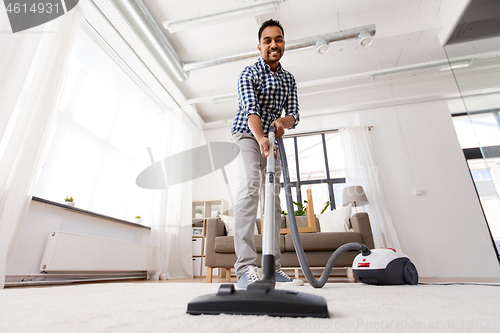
(336, 220)
(229, 224)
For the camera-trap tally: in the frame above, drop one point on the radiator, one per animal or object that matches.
(68, 252)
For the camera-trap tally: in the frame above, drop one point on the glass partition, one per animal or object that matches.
(476, 69)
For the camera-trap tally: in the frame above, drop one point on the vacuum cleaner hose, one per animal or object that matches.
(295, 232)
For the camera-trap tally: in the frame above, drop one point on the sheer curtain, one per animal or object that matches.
(361, 170)
(33, 67)
(170, 242)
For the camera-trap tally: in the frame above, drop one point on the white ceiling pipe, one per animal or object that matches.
(229, 15)
(143, 23)
(189, 66)
(299, 44)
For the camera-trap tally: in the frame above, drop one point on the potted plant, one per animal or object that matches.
(198, 213)
(69, 201)
(138, 219)
(301, 211)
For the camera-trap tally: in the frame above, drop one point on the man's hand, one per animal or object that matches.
(264, 147)
(281, 123)
(255, 126)
(280, 129)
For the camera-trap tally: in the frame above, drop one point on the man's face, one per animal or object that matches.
(272, 45)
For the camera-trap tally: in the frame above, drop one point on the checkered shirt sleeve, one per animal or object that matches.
(266, 95)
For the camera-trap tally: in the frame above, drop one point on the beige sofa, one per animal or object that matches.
(318, 246)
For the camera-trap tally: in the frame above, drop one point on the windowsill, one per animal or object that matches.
(87, 212)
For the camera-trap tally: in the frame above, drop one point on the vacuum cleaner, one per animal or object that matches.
(385, 267)
(261, 297)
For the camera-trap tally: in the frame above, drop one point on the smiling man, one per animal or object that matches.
(267, 96)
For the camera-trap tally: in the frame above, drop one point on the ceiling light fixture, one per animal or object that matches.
(322, 46)
(458, 65)
(365, 38)
(437, 66)
(220, 17)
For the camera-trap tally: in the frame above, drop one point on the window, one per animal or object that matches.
(480, 129)
(315, 162)
(482, 178)
(105, 121)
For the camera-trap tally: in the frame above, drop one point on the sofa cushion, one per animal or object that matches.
(302, 222)
(283, 223)
(229, 224)
(225, 244)
(336, 220)
(322, 241)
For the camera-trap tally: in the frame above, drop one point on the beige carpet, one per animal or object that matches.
(161, 307)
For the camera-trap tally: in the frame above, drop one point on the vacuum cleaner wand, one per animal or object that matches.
(267, 281)
(268, 239)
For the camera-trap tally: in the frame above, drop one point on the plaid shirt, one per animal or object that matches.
(262, 93)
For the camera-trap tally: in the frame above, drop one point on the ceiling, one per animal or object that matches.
(348, 77)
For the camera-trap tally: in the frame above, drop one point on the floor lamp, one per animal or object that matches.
(354, 195)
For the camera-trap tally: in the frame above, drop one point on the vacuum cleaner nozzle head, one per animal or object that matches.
(280, 303)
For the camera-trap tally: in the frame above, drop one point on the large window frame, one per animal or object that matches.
(299, 183)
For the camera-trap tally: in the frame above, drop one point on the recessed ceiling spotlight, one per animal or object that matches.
(322, 46)
(365, 38)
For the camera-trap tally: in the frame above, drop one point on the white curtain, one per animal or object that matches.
(361, 170)
(170, 242)
(33, 67)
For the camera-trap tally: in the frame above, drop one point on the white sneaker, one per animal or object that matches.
(282, 277)
(248, 277)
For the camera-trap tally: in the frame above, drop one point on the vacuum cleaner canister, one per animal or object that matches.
(384, 267)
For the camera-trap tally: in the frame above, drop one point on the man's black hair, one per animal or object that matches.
(270, 23)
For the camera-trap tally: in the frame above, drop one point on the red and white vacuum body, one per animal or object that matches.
(384, 267)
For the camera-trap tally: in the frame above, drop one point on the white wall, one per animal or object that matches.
(443, 230)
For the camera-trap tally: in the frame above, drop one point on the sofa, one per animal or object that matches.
(318, 246)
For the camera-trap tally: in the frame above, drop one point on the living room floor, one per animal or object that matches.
(216, 279)
(336, 277)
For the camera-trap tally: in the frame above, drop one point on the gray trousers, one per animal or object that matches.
(252, 171)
